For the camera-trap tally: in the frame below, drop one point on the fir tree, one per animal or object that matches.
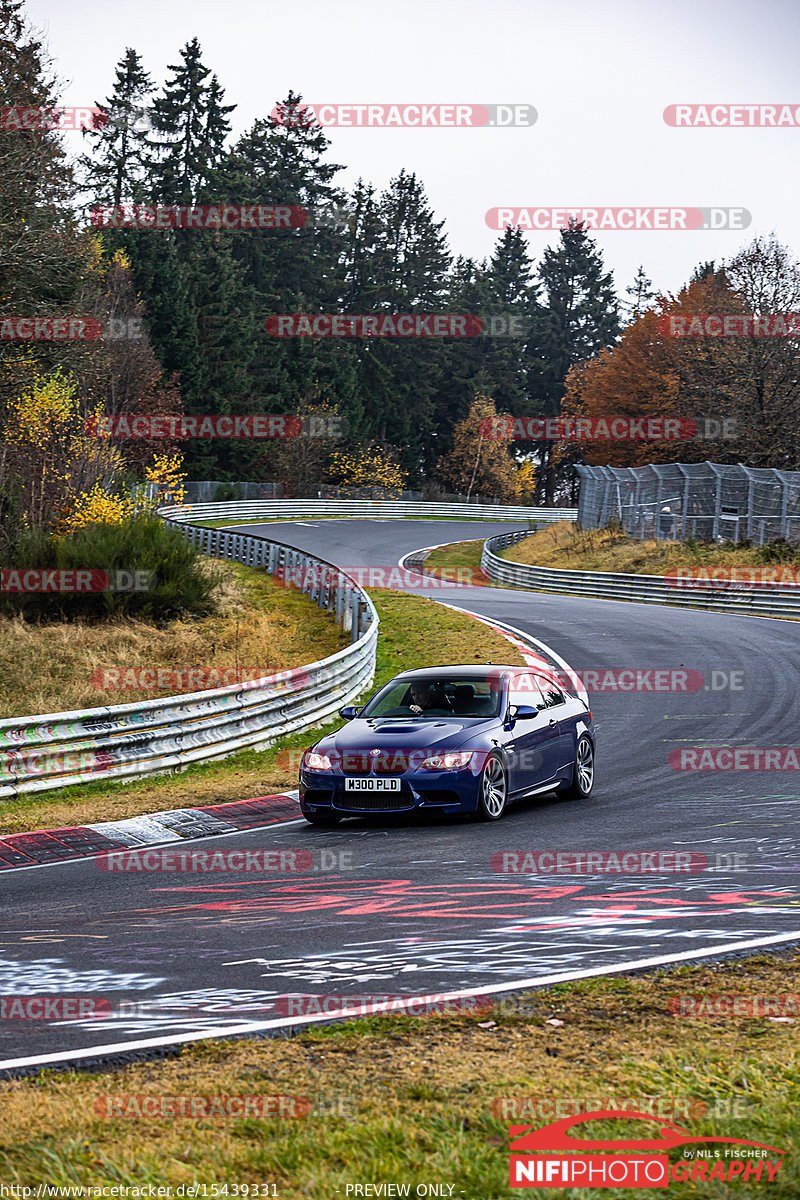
(45, 262)
(116, 169)
(190, 125)
(642, 294)
(580, 318)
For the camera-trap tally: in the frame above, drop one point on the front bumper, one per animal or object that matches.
(444, 791)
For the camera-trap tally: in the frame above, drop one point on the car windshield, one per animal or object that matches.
(470, 697)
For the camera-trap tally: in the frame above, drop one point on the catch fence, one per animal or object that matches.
(704, 501)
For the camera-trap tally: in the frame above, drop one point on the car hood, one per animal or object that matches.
(389, 733)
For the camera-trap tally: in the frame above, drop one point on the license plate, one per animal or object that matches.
(372, 784)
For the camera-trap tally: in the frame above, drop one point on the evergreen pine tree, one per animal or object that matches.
(641, 292)
(116, 169)
(190, 125)
(45, 262)
(580, 318)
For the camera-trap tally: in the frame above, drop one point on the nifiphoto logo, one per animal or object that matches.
(559, 1155)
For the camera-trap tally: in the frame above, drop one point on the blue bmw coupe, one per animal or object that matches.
(451, 740)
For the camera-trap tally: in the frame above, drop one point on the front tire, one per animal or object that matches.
(583, 771)
(328, 819)
(493, 790)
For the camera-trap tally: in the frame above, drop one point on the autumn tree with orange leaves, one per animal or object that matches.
(751, 383)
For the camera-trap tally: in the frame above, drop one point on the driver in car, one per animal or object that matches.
(425, 699)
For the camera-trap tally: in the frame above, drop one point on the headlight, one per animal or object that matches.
(452, 760)
(316, 762)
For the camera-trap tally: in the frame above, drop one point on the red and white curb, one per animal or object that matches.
(45, 846)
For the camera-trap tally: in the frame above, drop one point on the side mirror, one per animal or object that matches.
(522, 712)
(349, 711)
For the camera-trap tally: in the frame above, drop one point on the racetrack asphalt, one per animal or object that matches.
(394, 906)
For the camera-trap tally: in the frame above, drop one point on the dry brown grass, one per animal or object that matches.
(259, 628)
(565, 546)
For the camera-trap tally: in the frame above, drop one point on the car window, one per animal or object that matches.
(551, 692)
(468, 697)
(524, 689)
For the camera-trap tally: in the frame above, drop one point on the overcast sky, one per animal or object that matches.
(598, 73)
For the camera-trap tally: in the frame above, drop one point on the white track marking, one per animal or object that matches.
(517, 985)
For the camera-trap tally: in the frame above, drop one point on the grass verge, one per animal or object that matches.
(463, 558)
(414, 632)
(259, 628)
(413, 1100)
(565, 546)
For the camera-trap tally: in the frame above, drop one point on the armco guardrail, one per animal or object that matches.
(272, 510)
(643, 589)
(53, 750)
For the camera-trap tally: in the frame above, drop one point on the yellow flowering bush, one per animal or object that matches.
(97, 507)
(365, 466)
(49, 447)
(103, 507)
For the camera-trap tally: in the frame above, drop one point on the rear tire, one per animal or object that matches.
(493, 790)
(583, 771)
